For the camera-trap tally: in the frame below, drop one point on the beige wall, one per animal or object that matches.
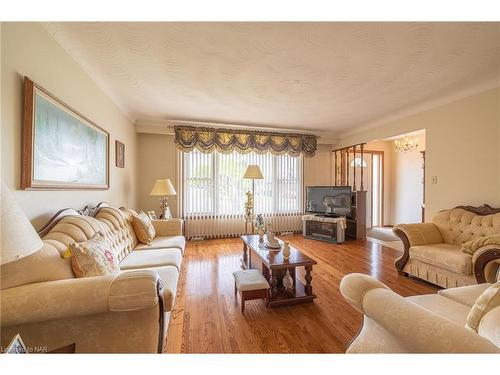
(462, 150)
(157, 158)
(27, 49)
(318, 169)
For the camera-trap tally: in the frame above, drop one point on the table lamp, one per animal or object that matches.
(253, 173)
(19, 238)
(162, 188)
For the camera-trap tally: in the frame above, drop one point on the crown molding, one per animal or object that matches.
(166, 127)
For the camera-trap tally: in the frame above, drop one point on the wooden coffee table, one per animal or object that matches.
(274, 267)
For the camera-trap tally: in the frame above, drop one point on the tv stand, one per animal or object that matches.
(324, 228)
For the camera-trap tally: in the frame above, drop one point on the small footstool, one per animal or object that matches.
(252, 285)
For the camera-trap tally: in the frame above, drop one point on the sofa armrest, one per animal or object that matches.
(50, 300)
(170, 227)
(354, 286)
(415, 235)
(420, 330)
(485, 263)
(134, 290)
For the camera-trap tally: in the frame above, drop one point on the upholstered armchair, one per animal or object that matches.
(433, 251)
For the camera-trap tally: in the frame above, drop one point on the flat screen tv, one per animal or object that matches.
(328, 200)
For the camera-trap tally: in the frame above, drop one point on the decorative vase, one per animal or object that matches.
(286, 251)
(288, 280)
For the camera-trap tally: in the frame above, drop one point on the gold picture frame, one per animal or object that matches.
(62, 149)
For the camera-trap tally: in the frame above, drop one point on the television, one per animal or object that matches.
(328, 200)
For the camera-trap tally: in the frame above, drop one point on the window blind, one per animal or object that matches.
(214, 191)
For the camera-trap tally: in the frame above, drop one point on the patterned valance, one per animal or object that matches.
(208, 140)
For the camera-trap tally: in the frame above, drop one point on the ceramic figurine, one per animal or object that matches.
(286, 251)
(288, 280)
(273, 241)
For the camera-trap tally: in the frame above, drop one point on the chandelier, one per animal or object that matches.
(405, 144)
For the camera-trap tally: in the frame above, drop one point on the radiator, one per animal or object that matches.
(234, 225)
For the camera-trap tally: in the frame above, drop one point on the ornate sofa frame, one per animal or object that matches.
(480, 263)
(92, 211)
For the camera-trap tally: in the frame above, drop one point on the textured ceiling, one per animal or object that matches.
(329, 77)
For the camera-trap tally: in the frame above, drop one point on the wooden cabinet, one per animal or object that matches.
(356, 221)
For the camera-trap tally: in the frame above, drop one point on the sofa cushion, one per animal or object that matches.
(489, 327)
(119, 230)
(487, 301)
(115, 224)
(444, 307)
(466, 295)
(443, 255)
(143, 228)
(163, 242)
(152, 258)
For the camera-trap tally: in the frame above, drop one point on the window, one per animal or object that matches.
(213, 183)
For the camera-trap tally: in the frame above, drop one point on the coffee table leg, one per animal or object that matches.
(308, 287)
(245, 255)
(274, 283)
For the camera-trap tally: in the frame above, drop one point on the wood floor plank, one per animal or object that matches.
(207, 316)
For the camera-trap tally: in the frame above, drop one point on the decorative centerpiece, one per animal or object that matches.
(286, 251)
(249, 211)
(272, 241)
(288, 280)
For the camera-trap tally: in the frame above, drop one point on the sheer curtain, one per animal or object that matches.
(214, 192)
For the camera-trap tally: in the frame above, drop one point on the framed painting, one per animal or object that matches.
(62, 149)
(119, 154)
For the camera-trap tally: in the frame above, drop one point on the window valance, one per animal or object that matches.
(208, 140)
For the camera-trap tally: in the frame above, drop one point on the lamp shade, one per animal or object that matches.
(163, 187)
(19, 238)
(253, 172)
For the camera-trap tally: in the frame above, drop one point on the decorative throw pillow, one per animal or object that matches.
(486, 302)
(93, 257)
(470, 247)
(143, 228)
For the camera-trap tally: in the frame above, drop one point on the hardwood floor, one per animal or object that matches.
(207, 316)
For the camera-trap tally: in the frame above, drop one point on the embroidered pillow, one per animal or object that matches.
(486, 302)
(143, 228)
(93, 257)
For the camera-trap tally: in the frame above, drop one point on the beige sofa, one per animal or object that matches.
(127, 312)
(432, 251)
(433, 323)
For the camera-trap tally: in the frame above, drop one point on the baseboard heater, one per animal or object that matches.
(202, 228)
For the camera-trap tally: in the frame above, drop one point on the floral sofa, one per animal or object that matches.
(433, 251)
(125, 312)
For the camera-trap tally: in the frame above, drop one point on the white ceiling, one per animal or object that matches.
(327, 77)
